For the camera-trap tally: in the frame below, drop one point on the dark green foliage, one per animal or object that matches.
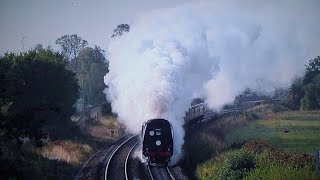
(121, 28)
(36, 98)
(304, 91)
(237, 165)
(36, 88)
(311, 98)
(313, 69)
(296, 93)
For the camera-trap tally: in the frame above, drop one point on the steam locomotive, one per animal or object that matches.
(157, 142)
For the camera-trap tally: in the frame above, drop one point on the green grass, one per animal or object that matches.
(276, 171)
(291, 131)
(278, 142)
(269, 167)
(245, 164)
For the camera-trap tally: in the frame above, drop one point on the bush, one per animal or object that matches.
(231, 165)
(277, 168)
(237, 165)
(258, 160)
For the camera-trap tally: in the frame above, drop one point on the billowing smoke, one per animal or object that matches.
(209, 49)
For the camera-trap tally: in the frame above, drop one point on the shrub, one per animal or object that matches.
(237, 165)
(230, 165)
(266, 169)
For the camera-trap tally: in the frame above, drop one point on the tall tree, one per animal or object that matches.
(38, 88)
(304, 91)
(313, 69)
(296, 93)
(120, 30)
(71, 45)
(91, 70)
(311, 98)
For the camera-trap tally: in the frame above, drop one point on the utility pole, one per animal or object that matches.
(82, 96)
(82, 76)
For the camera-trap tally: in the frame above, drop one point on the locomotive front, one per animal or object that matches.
(157, 142)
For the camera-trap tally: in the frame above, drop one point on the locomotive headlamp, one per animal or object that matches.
(158, 142)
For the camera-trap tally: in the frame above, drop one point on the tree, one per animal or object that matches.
(313, 69)
(38, 89)
(71, 45)
(311, 98)
(303, 91)
(92, 67)
(120, 30)
(296, 93)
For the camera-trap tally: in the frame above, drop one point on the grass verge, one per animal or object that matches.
(258, 160)
(292, 131)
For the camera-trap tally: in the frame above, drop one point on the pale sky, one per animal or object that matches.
(30, 22)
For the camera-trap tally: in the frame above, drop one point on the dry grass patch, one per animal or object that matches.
(107, 127)
(67, 151)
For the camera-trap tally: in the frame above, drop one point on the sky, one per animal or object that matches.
(25, 23)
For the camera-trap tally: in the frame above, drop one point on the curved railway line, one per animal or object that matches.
(122, 165)
(118, 161)
(116, 164)
(126, 168)
(93, 168)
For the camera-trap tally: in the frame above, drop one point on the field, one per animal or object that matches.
(292, 131)
(275, 146)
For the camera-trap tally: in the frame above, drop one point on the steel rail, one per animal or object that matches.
(150, 173)
(170, 173)
(127, 159)
(109, 160)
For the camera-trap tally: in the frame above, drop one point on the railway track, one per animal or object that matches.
(122, 164)
(117, 162)
(162, 173)
(93, 168)
(133, 165)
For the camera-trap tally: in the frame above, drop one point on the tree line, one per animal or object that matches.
(39, 90)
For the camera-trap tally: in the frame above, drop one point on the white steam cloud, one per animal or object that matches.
(209, 49)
